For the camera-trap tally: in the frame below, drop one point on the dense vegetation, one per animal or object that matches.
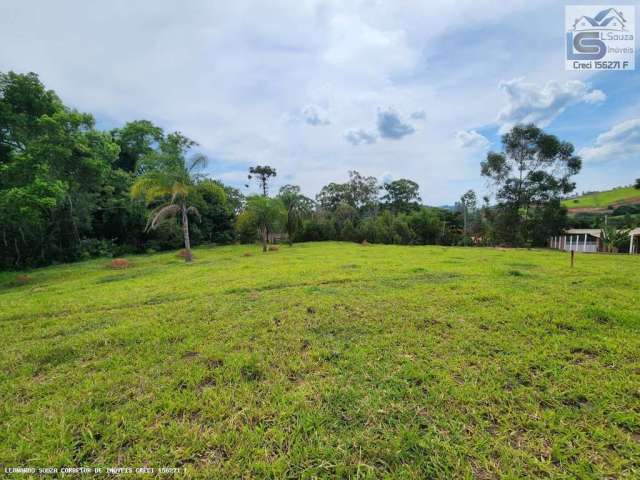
(69, 191)
(327, 360)
(65, 187)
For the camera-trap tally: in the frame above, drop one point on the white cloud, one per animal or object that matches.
(532, 103)
(621, 142)
(360, 137)
(418, 115)
(230, 74)
(472, 139)
(315, 116)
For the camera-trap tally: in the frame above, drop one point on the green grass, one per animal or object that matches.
(603, 199)
(327, 360)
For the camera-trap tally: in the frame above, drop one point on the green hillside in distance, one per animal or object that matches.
(604, 200)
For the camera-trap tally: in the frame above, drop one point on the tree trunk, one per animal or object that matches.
(264, 233)
(185, 232)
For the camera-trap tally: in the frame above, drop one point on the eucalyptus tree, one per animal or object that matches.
(468, 202)
(167, 182)
(402, 195)
(533, 169)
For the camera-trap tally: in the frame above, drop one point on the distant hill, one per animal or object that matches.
(603, 201)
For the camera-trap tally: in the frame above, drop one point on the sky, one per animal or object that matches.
(418, 90)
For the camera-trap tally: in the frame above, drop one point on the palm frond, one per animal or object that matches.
(197, 162)
(179, 189)
(161, 213)
(194, 211)
(151, 186)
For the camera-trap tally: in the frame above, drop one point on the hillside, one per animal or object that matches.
(327, 360)
(602, 201)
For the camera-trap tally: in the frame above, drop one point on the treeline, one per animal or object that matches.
(69, 191)
(65, 187)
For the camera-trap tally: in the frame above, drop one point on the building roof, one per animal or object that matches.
(635, 231)
(594, 232)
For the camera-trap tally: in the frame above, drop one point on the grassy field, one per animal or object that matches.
(327, 360)
(604, 199)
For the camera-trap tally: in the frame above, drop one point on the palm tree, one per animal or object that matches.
(614, 239)
(168, 178)
(297, 207)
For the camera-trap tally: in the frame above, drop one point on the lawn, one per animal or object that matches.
(327, 360)
(604, 199)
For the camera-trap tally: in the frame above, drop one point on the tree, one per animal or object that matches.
(426, 226)
(360, 192)
(468, 202)
(637, 185)
(262, 175)
(614, 239)
(169, 180)
(266, 213)
(297, 207)
(217, 213)
(136, 140)
(53, 167)
(402, 196)
(533, 169)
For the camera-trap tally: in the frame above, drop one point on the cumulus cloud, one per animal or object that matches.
(314, 115)
(236, 77)
(419, 115)
(532, 103)
(621, 142)
(472, 139)
(391, 126)
(360, 137)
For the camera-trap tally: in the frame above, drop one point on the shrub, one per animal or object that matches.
(119, 263)
(246, 228)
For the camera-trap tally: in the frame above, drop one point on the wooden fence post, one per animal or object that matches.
(573, 254)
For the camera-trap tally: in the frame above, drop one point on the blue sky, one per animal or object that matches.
(316, 88)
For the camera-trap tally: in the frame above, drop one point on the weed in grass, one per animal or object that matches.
(251, 371)
(598, 315)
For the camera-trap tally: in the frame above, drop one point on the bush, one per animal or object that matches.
(92, 247)
(317, 229)
(246, 228)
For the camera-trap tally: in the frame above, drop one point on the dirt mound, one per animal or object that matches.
(119, 263)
